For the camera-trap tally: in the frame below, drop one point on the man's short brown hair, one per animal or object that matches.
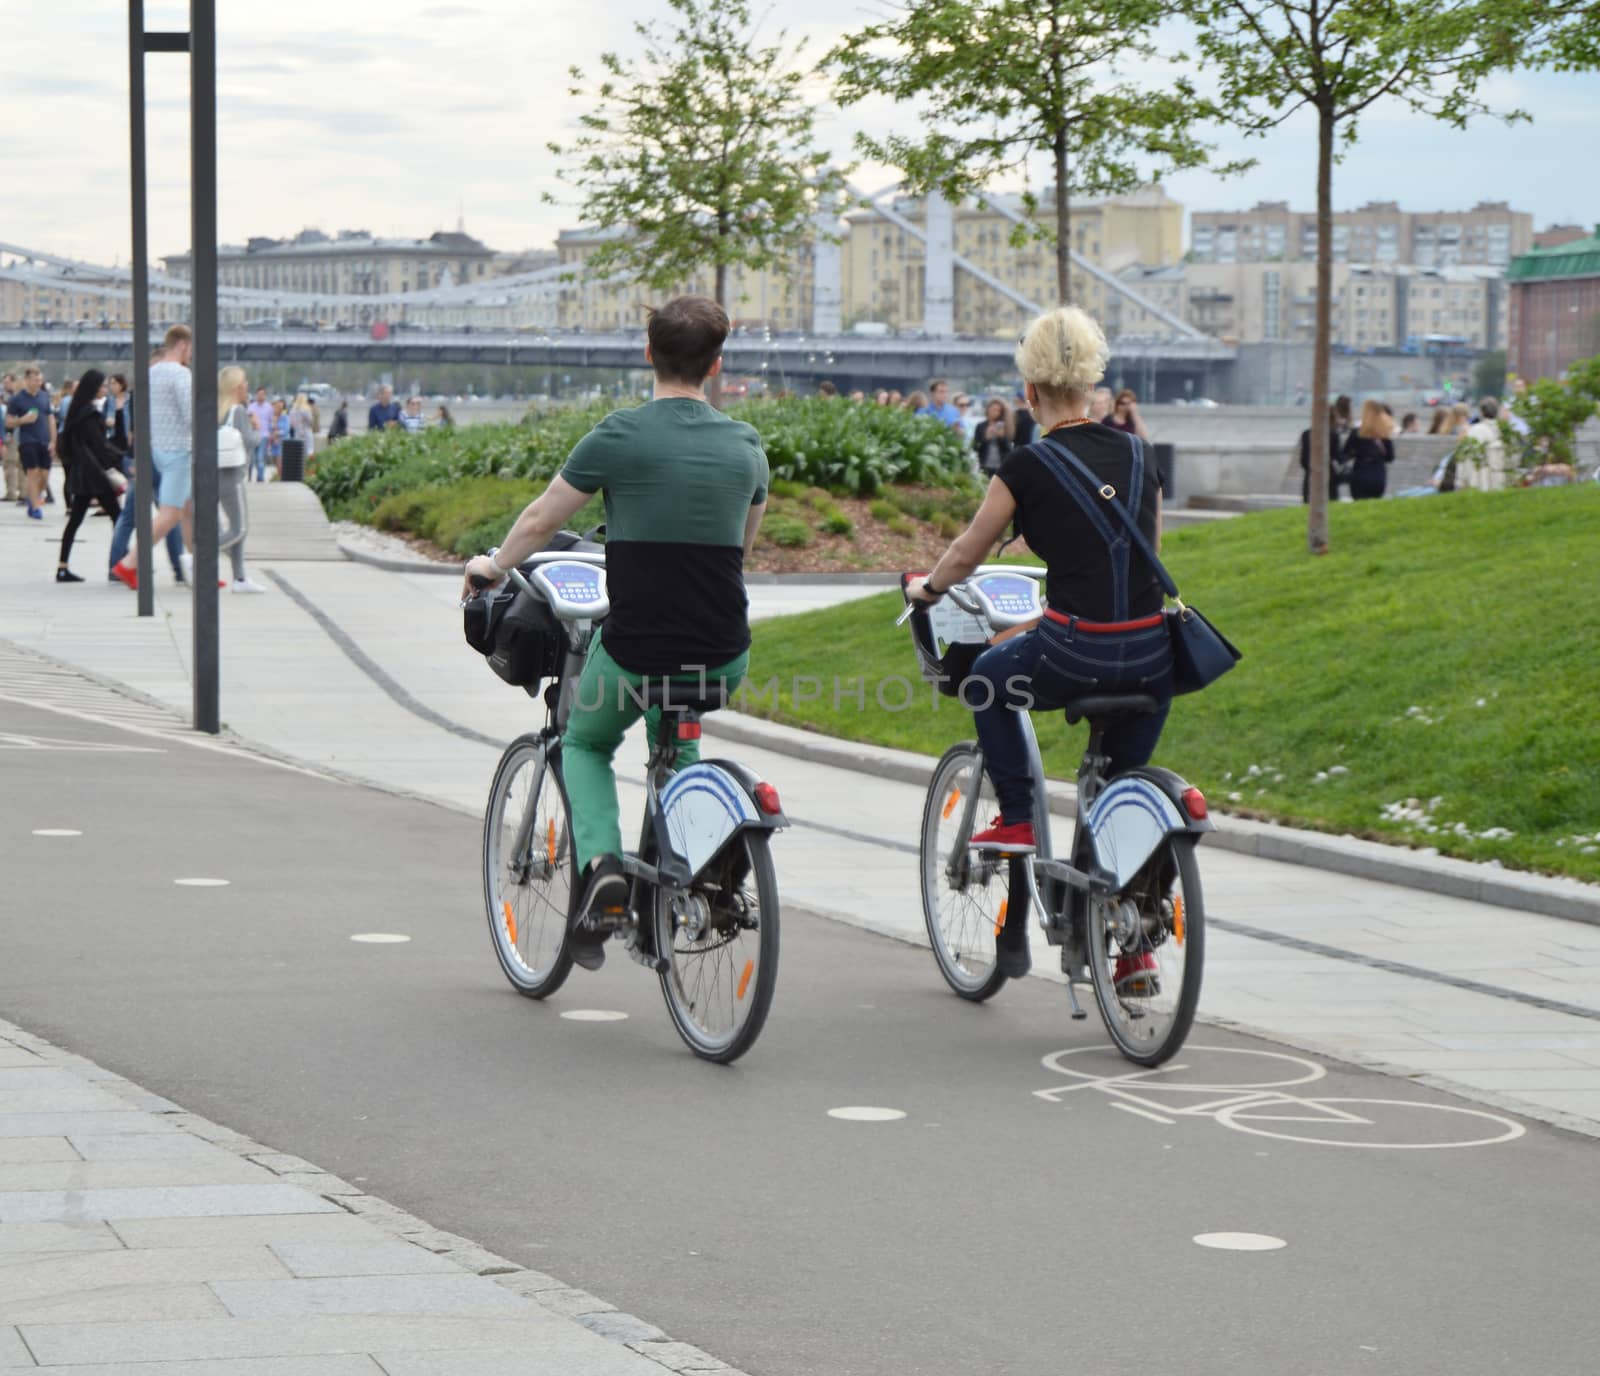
(686, 335)
(177, 334)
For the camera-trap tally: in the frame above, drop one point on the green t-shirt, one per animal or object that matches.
(679, 479)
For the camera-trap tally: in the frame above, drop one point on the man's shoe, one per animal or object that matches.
(123, 573)
(36, 513)
(604, 905)
(245, 585)
(1136, 976)
(67, 576)
(186, 565)
(1010, 838)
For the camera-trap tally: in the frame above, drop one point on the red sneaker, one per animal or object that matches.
(1136, 976)
(127, 575)
(1015, 838)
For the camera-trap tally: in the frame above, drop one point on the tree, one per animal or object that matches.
(1489, 374)
(1273, 58)
(700, 154)
(1004, 81)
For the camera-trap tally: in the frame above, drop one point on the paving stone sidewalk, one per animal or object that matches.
(137, 1239)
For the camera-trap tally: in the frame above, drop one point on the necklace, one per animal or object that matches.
(1062, 425)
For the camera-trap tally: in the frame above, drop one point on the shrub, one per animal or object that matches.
(837, 523)
(947, 525)
(782, 487)
(883, 511)
(901, 526)
(786, 532)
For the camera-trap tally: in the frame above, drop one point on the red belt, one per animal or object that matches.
(1144, 623)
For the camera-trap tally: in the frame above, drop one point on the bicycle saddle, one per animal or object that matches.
(680, 697)
(1107, 707)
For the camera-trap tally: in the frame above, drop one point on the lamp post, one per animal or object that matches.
(201, 45)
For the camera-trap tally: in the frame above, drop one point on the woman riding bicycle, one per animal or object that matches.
(1102, 631)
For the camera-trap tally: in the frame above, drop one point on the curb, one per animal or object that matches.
(380, 561)
(1569, 899)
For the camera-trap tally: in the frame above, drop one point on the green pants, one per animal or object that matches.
(601, 715)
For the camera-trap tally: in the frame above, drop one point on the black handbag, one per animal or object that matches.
(1201, 654)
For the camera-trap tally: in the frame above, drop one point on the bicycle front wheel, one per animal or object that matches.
(966, 898)
(528, 863)
(1147, 948)
(720, 944)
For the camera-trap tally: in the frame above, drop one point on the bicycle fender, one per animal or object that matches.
(707, 803)
(1134, 813)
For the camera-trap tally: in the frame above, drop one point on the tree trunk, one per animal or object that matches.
(714, 387)
(1063, 223)
(1317, 479)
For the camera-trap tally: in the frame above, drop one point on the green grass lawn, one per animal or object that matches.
(1435, 680)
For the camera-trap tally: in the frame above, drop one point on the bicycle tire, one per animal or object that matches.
(1183, 931)
(988, 894)
(694, 995)
(526, 899)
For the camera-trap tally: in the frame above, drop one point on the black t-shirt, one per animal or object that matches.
(1057, 530)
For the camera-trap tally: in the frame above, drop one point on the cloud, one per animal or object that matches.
(449, 12)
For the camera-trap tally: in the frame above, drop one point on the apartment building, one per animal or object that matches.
(1554, 307)
(779, 298)
(1490, 234)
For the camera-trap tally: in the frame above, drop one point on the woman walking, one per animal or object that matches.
(1370, 451)
(89, 461)
(1125, 415)
(992, 439)
(233, 468)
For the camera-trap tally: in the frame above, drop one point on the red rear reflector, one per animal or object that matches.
(767, 800)
(688, 730)
(1194, 803)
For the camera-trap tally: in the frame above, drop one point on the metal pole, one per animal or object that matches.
(203, 295)
(143, 466)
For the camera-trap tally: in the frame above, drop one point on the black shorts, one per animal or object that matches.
(35, 455)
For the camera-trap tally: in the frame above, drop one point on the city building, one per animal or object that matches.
(884, 265)
(1163, 287)
(1491, 234)
(1554, 307)
(777, 298)
(1554, 236)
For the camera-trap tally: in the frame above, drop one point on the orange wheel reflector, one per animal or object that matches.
(550, 841)
(511, 922)
(950, 802)
(744, 978)
(1177, 918)
(1000, 921)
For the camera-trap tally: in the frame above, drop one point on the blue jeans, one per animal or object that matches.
(1046, 668)
(122, 535)
(258, 461)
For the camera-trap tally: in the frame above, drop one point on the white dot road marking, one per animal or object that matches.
(865, 1113)
(203, 883)
(380, 938)
(594, 1015)
(1241, 1242)
(56, 831)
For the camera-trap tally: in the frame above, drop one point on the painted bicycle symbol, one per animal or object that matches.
(1252, 1092)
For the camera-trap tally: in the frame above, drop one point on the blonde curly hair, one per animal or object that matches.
(1063, 354)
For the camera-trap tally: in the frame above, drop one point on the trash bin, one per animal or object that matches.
(1167, 464)
(292, 467)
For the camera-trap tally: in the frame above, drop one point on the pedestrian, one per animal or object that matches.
(413, 421)
(93, 467)
(916, 403)
(1460, 419)
(1409, 424)
(261, 414)
(826, 391)
(122, 535)
(881, 397)
(1125, 415)
(1486, 470)
(119, 415)
(171, 448)
(63, 402)
(8, 444)
(384, 413)
(937, 404)
(895, 398)
(236, 441)
(993, 437)
(280, 432)
(443, 419)
(1370, 452)
(1440, 424)
(1100, 403)
(28, 414)
(303, 426)
(340, 425)
(1338, 439)
(685, 487)
(1022, 426)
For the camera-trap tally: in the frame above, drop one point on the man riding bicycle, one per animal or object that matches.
(685, 489)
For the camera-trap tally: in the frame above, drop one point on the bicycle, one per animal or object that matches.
(1129, 899)
(703, 909)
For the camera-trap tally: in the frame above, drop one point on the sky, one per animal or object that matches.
(401, 116)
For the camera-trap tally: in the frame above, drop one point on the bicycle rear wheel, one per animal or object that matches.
(528, 863)
(1147, 949)
(720, 943)
(966, 899)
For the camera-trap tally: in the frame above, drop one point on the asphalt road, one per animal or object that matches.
(989, 1230)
